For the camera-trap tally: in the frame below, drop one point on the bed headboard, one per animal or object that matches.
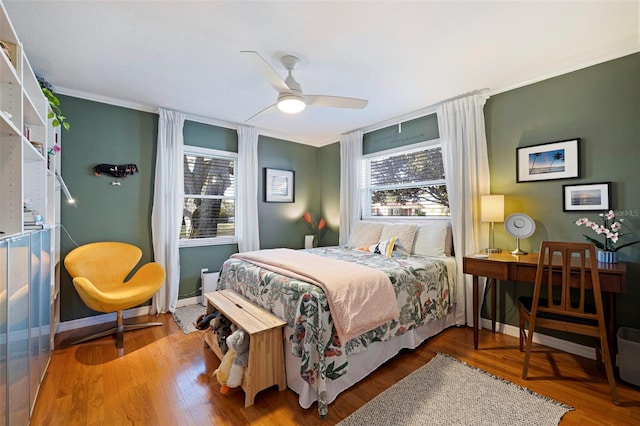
(425, 237)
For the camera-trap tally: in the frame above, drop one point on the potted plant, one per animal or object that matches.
(54, 103)
(611, 231)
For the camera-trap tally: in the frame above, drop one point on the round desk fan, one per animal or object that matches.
(519, 225)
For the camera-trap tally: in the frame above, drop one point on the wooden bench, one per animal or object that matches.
(266, 352)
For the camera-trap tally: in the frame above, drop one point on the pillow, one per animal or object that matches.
(383, 247)
(404, 234)
(431, 238)
(365, 234)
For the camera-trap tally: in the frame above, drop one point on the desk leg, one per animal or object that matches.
(492, 283)
(611, 298)
(475, 312)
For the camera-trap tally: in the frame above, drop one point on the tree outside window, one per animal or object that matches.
(210, 195)
(406, 183)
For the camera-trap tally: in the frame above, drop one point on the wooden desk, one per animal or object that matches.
(522, 268)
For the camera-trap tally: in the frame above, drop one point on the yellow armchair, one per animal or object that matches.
(99, 271)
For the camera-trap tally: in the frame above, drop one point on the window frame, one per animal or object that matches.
(367, 188)
(214, 153)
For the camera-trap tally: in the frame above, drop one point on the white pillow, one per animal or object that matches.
(431, 238)
(404, 234)
(365, 234)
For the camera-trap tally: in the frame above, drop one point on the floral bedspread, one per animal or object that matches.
(421, 285)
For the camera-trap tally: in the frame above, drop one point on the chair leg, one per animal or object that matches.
(604, 344)
(109, 332)
(598, 354)
(119, 330)
(527, 351)
(522, 333)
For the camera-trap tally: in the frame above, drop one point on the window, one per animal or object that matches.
(408, 181)
(209, 212)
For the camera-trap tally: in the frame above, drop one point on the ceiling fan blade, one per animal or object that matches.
(335, 101)
(258, 113)
(268, 73)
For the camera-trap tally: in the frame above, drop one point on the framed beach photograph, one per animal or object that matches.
(548, 161)
(588, 197)
(279, 186)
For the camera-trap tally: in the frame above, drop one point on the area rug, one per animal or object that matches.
(186, 315)
(447, 391)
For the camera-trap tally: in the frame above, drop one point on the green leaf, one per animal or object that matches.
(595, 242)
(625, 245)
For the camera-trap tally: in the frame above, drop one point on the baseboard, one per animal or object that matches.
(552, 342)
(510, 330)
(109, 318)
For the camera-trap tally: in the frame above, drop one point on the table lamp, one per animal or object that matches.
(492, 210)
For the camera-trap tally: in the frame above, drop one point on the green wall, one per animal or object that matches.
(329, 182)
(281, 224)
(102, 133)
(414, 131)
(600, 105)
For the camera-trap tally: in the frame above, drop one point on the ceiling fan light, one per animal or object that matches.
(291, 104)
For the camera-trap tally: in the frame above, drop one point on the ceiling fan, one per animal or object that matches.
(291, 100)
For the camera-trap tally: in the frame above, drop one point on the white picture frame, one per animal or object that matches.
(586, 197)
(548, 161)
(279, 186)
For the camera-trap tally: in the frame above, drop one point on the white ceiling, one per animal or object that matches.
(404, 57)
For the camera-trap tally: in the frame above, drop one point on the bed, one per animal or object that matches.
(319, 365)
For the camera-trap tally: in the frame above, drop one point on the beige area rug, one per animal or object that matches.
(447, 391)
(186, 315)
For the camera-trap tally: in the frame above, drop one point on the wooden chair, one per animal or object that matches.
(557, 311)
(100, 271)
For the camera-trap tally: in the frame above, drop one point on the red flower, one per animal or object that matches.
(307, 217)
(316, 226)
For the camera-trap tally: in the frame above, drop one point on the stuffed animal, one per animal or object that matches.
(239, 343)
(222, 372)
(204, 320)
(223, 328)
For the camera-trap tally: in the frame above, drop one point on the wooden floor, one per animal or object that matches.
(162, 377)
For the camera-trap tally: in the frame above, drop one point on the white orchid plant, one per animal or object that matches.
(611, 230)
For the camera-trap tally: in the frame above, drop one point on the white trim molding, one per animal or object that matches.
(542, 339)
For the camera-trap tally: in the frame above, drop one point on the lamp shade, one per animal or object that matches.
(291, 103)
(492, 208)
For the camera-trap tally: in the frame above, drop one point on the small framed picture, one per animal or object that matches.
(548, 161)
(588, 197)
(279, 186)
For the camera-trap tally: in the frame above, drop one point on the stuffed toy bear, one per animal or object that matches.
(239, 343)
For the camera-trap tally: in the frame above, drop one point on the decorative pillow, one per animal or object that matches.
(383, 247)
(431, 239)
(403, 232)
(365, 234)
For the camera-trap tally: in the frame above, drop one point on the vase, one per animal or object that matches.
(309, 241)
(608, 256)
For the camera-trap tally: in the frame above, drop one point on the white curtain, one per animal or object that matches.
(166, 216)
(350, 183)
(466, 167)
(247, 225)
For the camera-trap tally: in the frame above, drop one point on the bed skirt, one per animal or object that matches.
(360, 364)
